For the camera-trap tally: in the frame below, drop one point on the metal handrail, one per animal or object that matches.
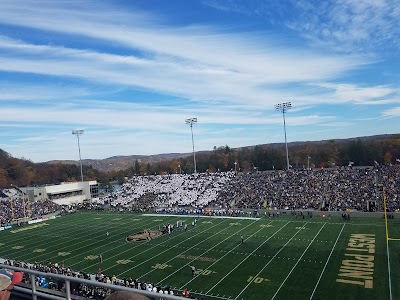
(69, 279)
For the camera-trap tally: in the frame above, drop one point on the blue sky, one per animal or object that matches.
(130, 72)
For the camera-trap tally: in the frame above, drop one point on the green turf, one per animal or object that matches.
(281, 258)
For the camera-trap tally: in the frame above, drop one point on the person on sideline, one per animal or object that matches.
(122, 295)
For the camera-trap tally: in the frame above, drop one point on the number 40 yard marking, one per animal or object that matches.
(257, 279)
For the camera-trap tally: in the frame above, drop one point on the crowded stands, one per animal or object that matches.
(15, 206)
(216, 194)
(168, 190)
(84, 290)
(336, 189)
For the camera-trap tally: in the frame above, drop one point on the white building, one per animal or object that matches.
(65, 193)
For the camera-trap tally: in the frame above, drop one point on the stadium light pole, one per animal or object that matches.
(190, 122)
(308, 161)
(283, 107)
(78, 133)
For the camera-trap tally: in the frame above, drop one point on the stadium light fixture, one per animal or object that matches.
(283, 107)
(190, 122)
(78, 133)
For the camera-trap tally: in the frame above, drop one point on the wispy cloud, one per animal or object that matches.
(196, 62)
(392, 112)
(41, 92)
(344, 92)
(127, 76)
(347, 25)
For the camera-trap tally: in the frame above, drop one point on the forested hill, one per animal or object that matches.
(123, 162)
(384, 149)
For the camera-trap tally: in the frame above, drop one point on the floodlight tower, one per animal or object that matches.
(78, 133)
(190, 122)
(283, 107)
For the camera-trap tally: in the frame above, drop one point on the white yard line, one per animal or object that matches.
(95, 237)
(326, 263)
(272, 258)
(174, 246)
(199, 255)
(109, 249)
(304, 252)
(187, 249)
(248, 257)
(221, 258)
(335, 223)
(41, 241)
(17, 238)
(130, 249)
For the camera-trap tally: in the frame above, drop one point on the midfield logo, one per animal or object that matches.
(145, 235)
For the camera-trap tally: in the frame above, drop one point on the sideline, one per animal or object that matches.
(326, 263)
(200, 216)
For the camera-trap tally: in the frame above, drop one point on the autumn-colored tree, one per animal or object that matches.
(3, 178)
(387, 158)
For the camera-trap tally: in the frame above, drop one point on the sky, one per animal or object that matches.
(129, 73)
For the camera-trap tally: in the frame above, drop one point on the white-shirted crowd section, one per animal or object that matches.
(175, 189)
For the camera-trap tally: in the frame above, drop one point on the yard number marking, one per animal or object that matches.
(91, 257)
(123, 261)
(161, 266)
(257, 279)
(204, 272)
(39, 250)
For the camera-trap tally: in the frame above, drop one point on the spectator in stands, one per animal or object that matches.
(7, 280)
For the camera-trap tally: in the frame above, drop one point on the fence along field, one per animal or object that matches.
(279, 258)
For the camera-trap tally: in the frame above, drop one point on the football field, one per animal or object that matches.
(279, 258)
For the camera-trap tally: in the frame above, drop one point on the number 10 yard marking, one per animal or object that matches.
(257, 279)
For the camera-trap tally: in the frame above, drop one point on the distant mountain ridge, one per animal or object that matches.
(122, 162)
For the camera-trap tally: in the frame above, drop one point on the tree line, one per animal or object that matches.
(323, 154)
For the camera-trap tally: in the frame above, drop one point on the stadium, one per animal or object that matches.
(200, 149)
(196, 235)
